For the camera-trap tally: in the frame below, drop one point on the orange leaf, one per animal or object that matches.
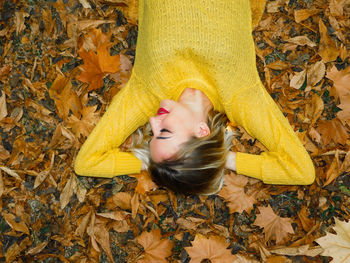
(213, 248)
(156, 249)
(233, 192)
(274, 225)
(97, 65)
(144, 182)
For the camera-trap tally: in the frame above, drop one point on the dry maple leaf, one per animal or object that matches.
(213, 248)
(233, 193)
(332, 130)
(85, 124)
(97, 64)
(341, 81)
(65, 98)
(337, 246)
(274, 225)
(144, 182)
(156, 249)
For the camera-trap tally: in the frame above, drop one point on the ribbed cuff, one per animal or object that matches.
(128, 164)
(249, 164)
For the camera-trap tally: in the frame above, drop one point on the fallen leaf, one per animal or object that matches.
(233, 192)
(3, 108)
(84, 125)
(213, 248)
(274, 226)
(97, 65)
(301, 41)
(333, 171)
(298, 79)
(37, 249)
(304, 250)
(332, 130)
(65, 98)
(16, 223)
(341, 81)
(155, 248)
(315, 73)
(20, 17)
(303, 14)
(144, 182)
(327, 48)
(337, 245)
(68, 191)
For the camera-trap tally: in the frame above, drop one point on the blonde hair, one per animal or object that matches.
(198, 167)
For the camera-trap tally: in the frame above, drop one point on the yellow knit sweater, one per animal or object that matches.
(206, 45)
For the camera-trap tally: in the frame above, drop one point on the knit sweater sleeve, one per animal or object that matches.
(286, 161)
(100, 155)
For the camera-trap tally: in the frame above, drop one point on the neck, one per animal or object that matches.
(197, 101)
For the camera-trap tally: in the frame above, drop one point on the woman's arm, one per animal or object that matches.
(287, 161)
(100, 155)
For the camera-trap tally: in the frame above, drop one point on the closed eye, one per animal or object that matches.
(162, 137)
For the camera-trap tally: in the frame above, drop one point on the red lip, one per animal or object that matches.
(162, 111)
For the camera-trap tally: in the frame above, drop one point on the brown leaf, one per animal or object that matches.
(65, 98)
(3, 108)
(213, 248)
(298, 79)
(68, 191)
(315, 73)
(332, 130)
(121, 199)
(233, 193)
(333, 171)
(102, 237)
(274, 226)
(16, 223)
(304, 250)
(20, 16)
(303, 14)
(301, 41)
(327, 48)
(37, 249)
(83, 222)
(156, 249)
(84, 125)
(306, 222)
(341, 81)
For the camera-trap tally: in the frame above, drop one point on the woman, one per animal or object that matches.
(194, 58)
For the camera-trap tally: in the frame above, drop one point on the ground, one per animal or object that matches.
(62, 61)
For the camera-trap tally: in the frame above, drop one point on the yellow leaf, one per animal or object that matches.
(337, 245)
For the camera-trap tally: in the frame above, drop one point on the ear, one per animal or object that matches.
(202, 130)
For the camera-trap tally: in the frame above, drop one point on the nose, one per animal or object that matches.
(154, 121)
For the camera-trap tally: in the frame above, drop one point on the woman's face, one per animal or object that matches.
(174, 125)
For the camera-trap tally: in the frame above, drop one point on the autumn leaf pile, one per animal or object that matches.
(61, 62)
